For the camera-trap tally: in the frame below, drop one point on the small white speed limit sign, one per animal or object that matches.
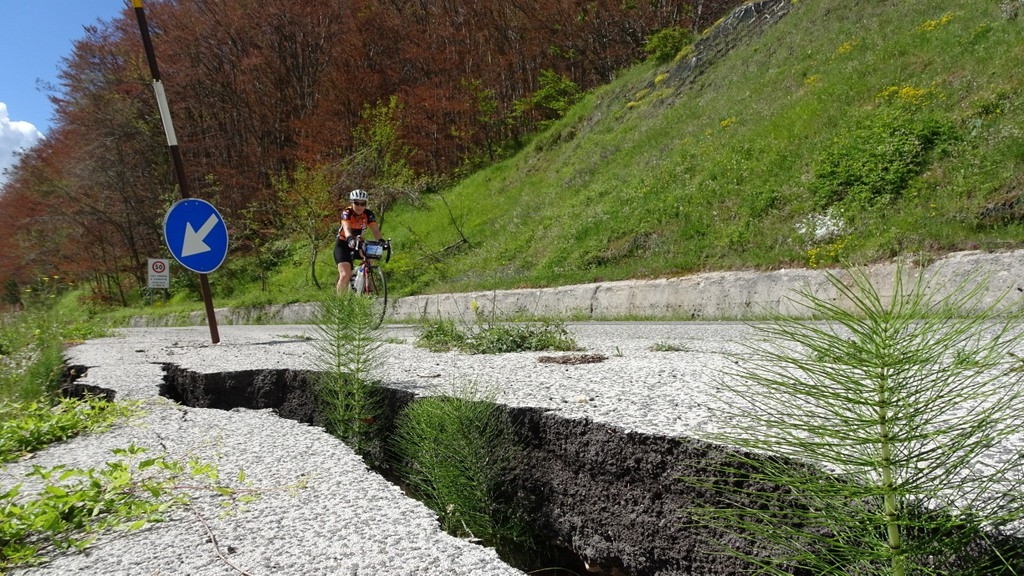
(159, 273)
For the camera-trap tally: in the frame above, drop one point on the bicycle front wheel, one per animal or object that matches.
(377, 288)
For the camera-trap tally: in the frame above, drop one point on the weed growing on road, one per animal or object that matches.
(457, 452)
(668, 347)
(32, 426)
(347, 351)
(901, 401)
(441, 336)
(73, 505)
(496, 337)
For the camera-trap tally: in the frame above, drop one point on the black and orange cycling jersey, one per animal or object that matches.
(357, 223)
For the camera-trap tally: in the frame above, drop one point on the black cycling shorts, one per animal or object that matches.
(342, 253)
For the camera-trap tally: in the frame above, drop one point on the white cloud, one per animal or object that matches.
(14, 136)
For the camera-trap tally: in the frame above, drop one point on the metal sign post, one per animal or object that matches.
(179, 165)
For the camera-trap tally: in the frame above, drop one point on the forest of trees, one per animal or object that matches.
(280, 106)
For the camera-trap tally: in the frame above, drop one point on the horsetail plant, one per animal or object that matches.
(874, 440)
(347, 351)
(458, 453)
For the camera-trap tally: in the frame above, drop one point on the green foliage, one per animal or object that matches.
(665, 45)
(74, 504)
(456, 453)
(496, 338)
(500, 338)
(441, 336)
(874, 162)
(29, 427)
(899, 401)
(308, 209)
(265, 255)
(495, 127)
(380, 159)
(347, 351)
(555, 96)
(12, 293)
(185, 285)
(259, 241)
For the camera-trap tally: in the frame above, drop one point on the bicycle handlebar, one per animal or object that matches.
(361, 248)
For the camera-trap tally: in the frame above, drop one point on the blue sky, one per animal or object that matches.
(35, 36)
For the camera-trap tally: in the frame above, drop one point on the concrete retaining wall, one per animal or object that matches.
(712, 295)
(715, 295)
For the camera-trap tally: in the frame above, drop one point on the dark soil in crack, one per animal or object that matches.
(606, 501)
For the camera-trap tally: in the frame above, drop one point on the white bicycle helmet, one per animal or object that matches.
(359, 195)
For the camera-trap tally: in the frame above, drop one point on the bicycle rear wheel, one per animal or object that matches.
(376, 287)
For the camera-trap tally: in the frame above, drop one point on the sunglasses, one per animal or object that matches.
(359, 203)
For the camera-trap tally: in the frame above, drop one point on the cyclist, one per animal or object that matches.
(355, 219)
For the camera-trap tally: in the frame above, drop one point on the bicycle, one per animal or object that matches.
(368, 278)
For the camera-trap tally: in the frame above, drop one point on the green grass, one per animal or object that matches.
(441, 336)
(645, 179)
(32, 344)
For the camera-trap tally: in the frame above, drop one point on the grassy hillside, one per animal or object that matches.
(847, 132)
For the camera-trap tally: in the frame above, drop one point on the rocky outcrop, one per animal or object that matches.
(743, 23)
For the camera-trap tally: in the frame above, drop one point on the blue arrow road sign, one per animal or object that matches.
(196, 235)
